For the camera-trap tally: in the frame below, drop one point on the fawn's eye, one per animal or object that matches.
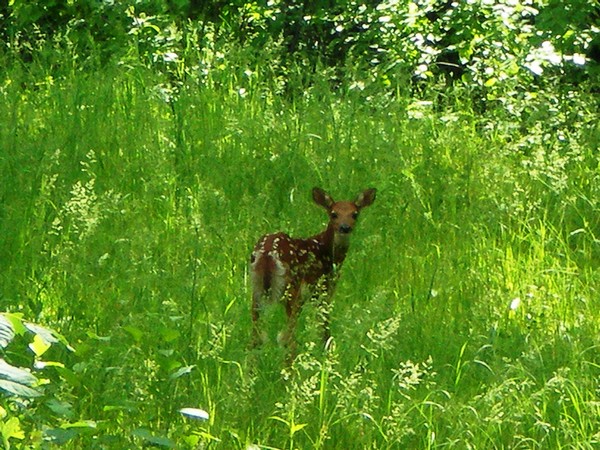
(355, 215)
(333, 215)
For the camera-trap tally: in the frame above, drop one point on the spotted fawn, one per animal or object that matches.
(280, 265)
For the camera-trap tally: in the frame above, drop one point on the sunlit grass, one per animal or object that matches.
(128, 223)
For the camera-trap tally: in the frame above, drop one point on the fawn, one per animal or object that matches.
(281, 265)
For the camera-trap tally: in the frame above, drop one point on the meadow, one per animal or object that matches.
(466, 315)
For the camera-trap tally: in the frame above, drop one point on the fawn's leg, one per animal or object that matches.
(256, 307)
(292, 309)
(325, 308)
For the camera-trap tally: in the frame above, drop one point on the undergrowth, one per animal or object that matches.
(465, 317)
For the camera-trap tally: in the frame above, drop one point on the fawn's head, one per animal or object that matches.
(343, 215)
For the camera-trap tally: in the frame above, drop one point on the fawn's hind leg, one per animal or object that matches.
(259, 292)
(287, 337)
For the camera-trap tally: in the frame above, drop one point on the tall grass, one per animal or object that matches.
(466, 315)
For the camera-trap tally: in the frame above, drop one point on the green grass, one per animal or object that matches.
(127, 224)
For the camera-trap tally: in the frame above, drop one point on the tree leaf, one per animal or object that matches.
(47, 334)
(16, 374)
(147, 436)
(19, 389)
(195, 413)
(17, 322)
(39, 346)
(63, 409)
(7, 331)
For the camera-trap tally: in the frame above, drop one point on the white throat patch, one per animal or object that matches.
(341, 240)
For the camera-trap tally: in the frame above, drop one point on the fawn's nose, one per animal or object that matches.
(345, 228)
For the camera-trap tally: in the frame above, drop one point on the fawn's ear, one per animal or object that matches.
(365, 198)
(322, 198)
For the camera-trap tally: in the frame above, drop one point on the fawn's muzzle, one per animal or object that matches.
(345, 229)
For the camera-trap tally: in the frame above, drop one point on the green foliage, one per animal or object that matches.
(498, 47)
(145, 154)
(464, 315)
(35, 410)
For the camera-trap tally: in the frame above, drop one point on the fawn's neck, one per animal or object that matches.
(335, 245)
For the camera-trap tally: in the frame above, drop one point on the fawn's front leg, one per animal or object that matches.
(324, 306)
(324, 310)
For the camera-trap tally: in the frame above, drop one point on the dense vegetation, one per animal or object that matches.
(145, 146)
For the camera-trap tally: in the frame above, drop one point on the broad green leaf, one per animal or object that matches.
(7, 331)
(192, 440)
(49, 335)
(39, 346)
(69, 376)
(147, 436)
(17, 374)
(182, 371)
(18, 389)
(43, 332)
(195, 413)
(169, 334)
(11, 429)
(17, 322)
(63, 409)
(134, 332)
